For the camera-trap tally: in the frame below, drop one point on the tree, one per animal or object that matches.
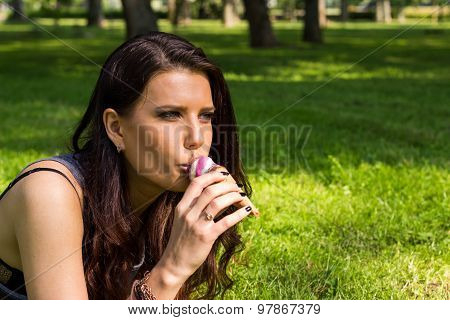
(202, 9)
(139, 17)
(383, 11)
(261, 33)
(179, 11)
(185, 12)
(95, 14)
(322, 13)
(230, 14)
(344, 10)
(311, 30)
(18, 13)
(172, 11)
(387, 11)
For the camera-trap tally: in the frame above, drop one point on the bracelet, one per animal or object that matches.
(142, 290)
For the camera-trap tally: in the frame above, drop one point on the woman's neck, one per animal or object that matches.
(142, 193)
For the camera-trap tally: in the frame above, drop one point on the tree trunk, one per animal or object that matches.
(185, 12)
(202, 9)
(311, 30)
(261, 33)
(230, 14)
(379, 13)
(383, 11)
(95, 14)
(387, 11)
(18, 13)
(175, 11)
(172, 11)
(344, 10)
(401, 15)
(139, 17)
(57, 11)
(322, 13)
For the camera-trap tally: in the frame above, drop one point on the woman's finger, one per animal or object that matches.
(221, 203)
(212, 192)
(196, 187)
(228, 221)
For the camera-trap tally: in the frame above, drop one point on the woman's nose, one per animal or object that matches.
(194, 136)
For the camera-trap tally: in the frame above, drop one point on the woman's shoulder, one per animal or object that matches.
(43, 203)
(45, 188)
(70, 174)
(49, 232)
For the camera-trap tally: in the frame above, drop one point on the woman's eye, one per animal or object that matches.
(174, 114)
(169, 115)
(209, 115)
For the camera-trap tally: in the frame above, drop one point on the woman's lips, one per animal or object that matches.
(184, 167)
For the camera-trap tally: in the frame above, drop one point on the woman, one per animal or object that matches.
(118, 214)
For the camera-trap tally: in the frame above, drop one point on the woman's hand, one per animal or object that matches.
(192, 235)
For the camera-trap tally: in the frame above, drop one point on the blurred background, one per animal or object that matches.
(142, 16)
(343, 108)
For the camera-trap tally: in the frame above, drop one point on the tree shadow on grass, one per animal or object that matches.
(376, 118)
(357, 120)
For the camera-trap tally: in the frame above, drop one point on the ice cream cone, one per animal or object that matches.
(204, 165)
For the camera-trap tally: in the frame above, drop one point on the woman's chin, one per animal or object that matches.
(180, 185)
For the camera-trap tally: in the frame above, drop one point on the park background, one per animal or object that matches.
(355, 203)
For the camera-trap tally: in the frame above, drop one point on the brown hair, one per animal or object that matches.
(111, 234)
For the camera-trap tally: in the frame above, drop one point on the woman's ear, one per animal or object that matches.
(113, 127)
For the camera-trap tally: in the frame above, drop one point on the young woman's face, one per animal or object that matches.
(169, 127)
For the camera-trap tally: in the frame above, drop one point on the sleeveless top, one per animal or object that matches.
(12, 282)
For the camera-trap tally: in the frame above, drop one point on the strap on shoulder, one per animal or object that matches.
(35, 170)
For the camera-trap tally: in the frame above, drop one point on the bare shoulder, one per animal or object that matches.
(47, 189)
(54, 165)
(48, 225)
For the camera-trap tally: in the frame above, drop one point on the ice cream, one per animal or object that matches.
(204, 164)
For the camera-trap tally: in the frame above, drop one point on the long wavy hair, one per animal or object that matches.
(113, 238)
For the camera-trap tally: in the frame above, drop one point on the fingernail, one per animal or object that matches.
(242, 194)
(248, 208)
(240, 185)
(224, 173)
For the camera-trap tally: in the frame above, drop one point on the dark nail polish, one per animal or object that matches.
(248, 208)
(240, 185)
(242, 194)
(224, 173)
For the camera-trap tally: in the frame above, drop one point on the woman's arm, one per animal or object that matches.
(192, 236)
(49, 230)
(162, 282)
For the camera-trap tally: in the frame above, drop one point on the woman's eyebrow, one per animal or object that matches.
(182, 108)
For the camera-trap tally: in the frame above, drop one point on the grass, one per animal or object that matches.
(356, 209)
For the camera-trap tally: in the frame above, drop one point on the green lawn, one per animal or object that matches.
(362, 213)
